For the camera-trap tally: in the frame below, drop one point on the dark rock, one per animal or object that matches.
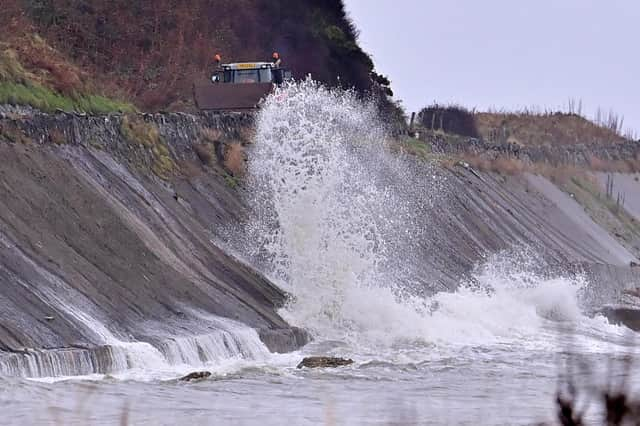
(283, 340)
(197, 375)
(629, 317)
(324, 362)
(635, 292)
(634, 264)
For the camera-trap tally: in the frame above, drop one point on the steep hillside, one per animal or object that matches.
(48, 82)
(151, 52)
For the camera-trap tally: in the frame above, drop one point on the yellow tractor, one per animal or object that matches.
(240, 86)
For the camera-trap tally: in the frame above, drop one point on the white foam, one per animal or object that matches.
(226, 347)
(338, 218)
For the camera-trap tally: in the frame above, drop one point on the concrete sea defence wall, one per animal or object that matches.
(109, 232)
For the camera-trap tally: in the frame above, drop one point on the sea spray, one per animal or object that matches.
(329, 223)
(339, 217)
(218, 344)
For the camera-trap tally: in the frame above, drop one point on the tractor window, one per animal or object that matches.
(246, 76)
(265, 75)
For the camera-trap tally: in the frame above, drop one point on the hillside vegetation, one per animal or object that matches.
(536, 129)
(150, 52)
(51, 83)
(524, 128)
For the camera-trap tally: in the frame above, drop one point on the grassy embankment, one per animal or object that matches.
(51, 86)
(520, 129)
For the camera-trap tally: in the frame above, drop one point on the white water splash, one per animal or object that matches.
(325, 199)
(338, 224)
(224, 342)
(509, 304)
(225, 347)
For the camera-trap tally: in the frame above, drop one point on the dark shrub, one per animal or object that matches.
(450, 119)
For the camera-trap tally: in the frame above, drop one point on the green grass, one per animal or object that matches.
(137, 131)
(19, 87)
(10, 68)
(47, 100)
(231, 181)
(416, 147)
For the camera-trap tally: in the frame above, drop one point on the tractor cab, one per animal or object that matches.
(241, 85)
(251, 72)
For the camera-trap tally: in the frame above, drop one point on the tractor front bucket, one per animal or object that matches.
(230, 97)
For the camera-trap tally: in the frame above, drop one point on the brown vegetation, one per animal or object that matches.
(34, 73)
(528, 127)
(138, 132)
(10, 67)
(502, 165)
(541, 128)
(559, 174)
(151, 51)
(57, 137)
(28, 57)
(247, 134)
(210, 135)
(631, 165)
(13, 134)
(234, 159)
(163, 165)
(189, 169)
(509, 166)
(205, 153)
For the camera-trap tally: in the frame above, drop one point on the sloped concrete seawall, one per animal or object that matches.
(108, 236)
(110, 226)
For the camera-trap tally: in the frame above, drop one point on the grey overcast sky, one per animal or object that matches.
(507, 53)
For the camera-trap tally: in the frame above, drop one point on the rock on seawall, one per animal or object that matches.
(324, 362)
